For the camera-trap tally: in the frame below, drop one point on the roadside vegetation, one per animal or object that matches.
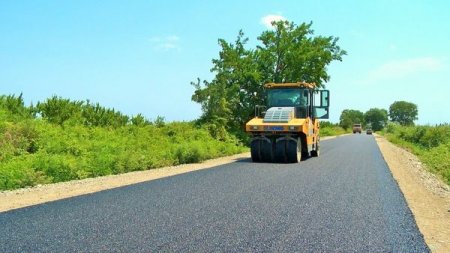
(61, 140)
(331, 129)
(430, 143)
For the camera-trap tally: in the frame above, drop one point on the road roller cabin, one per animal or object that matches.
(287, 129)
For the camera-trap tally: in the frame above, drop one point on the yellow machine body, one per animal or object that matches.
(288, 131)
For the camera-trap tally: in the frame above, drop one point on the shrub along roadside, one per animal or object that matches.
(330, 129)
(35, 151)
(430, 143)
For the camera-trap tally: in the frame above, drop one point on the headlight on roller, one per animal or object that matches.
(293, 128)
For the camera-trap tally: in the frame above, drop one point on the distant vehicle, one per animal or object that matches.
(357, 128)
(368, 131)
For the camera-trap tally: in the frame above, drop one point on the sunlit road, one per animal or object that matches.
(343, 201)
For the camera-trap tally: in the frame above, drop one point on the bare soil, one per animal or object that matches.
(427, 196)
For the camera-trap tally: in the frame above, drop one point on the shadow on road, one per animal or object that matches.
(249, 160)
(243, 160)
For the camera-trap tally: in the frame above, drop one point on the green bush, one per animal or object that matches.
(430, 143)
(57, 167)
(19, 172)
(438, 160)
(61, 140)
(36, 151)
(330, 129)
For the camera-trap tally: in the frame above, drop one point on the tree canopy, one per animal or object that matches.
(403, 112)
(376, 118)
(288, 53)
(349, 117)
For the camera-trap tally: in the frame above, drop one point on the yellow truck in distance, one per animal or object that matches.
(287, 129)
(357, 128)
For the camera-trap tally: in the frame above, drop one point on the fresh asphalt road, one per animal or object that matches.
(343, 201)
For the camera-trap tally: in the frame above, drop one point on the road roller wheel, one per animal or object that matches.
(280, 151)
(255, 150)
(316, 152)
(294, 151)
(266, 152)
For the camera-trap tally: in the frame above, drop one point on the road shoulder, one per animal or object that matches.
(426, 195)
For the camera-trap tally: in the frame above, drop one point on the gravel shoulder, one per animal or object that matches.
(426, 195)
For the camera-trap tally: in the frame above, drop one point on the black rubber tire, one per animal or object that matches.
(305, 155)
(255, 151)
(294, 152)
(266, 152)
(280, 152)
(316, 152)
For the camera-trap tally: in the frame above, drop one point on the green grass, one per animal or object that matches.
(34, 151)
(328, 129)
(430, 143)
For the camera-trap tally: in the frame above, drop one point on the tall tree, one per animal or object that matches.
(403, 112)
(289, 53)
(229, 98)
(349, 117)
(376, 118)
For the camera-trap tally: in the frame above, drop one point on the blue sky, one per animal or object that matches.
(140, 56)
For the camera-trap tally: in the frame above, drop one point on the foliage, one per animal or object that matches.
(160, 121)
(349, 117)
(376, 118)
(329, 129)
(289, 53)
(14, 108)
(228, 100)
(139, 120)
(430, 143)
(58, 110)
(403, 112)
(64, 144)
(97, 115)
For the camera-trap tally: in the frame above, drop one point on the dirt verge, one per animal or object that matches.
(426, 195)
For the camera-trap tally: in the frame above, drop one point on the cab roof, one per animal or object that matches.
(290, 85)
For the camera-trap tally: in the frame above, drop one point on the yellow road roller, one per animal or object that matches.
(286, 129)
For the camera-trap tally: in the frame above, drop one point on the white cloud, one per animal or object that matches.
(392, 47)
(166, 43)
(173, 38)
(405, 68)
(267, 20)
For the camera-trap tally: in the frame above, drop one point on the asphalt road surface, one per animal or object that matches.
(343, 201)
